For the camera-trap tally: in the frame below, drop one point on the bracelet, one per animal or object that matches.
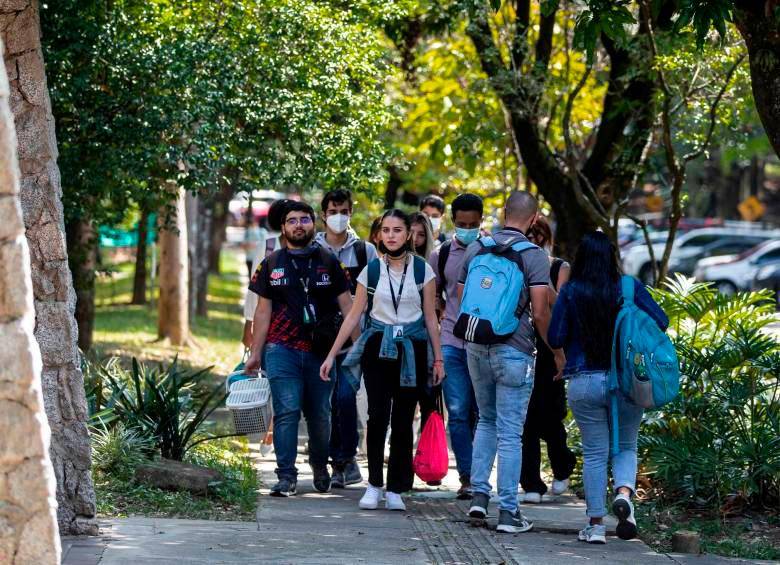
(438, 362)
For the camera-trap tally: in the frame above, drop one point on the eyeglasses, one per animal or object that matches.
(304, 221)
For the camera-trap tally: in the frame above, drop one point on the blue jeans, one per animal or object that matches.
(589, 402)
(344, 431)
(503, 379)
(461, 404)
(296, 386)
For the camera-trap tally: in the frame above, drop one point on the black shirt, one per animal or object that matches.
(281, 278)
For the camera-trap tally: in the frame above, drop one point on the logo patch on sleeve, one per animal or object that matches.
(277, 274)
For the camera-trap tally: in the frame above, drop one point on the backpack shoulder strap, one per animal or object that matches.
(274, 258)
(270, 243)
(627, 286)
(373, 280)
(444, 254)
(361, 254)
(419, 273)
(487, 241)
(555, 271)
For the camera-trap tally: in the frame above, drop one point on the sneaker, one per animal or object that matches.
(337, 478)
(531, 498)
(559, 487)
(393, 501)
(321, 480)
(513, 522)
(479, 505)
(371, 498)
(284, 488)
(464, 492)
(624, 511)
(594, 534)
(352, 475)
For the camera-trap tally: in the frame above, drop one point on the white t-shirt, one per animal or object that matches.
(410, 305)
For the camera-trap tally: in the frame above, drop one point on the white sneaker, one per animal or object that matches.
(559, 487)
(531, 497)
(393, 501)
(594, 534)
(624, 511)
(371, 498)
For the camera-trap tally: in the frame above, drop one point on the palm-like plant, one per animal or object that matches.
(722, 436)
(164, 403)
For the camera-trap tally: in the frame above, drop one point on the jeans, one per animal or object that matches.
(344, 431)
(503, 379)
(391, 404)
(589, 402)
(296, 386)
(461, 404)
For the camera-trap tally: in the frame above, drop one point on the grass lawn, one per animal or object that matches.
(127, 331)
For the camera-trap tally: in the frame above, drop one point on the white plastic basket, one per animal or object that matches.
(249, 403)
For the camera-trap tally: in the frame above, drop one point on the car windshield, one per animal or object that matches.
(753, 250)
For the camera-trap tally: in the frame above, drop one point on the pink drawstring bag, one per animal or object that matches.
(431, 462)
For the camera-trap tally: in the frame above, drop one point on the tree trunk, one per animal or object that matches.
(394, 183)
(761, 32)
(202, 256)
(82, 259)
(139, 277)
(173, 322)
(55, 326)
(29, 531)
(191, 208)
(227, 189)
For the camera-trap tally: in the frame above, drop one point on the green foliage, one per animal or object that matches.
(703, 14)
(117, 451)
(169, 404)
(722, 437)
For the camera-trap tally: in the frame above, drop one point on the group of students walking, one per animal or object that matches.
(413, 315)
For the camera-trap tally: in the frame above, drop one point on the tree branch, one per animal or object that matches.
(522, 23)
(489, 55)
(545, 41)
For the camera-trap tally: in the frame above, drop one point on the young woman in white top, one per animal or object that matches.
(402, 319)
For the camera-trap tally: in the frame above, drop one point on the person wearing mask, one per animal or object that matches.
(547, 408)
(447, 263)
(273, 242)
(398, 294)
(433, 207)
(583, 323)
(502, 373)
(422, 234)
(299, 286)
(354, 254)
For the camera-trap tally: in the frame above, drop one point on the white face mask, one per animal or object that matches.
(435, 224)
(338, 223)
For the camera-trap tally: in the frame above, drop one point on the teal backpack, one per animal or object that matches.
(490, 310)
(644, 368)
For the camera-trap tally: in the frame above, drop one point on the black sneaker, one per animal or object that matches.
(337, 478)
(321, 480)
(352, 474)
(284, 488)
(513, 522)
(464, 492)
(479, 506)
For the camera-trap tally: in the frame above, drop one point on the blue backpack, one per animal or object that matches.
(489, 310)
(644, 368)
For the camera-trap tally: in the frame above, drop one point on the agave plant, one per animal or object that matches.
(169, 404)
(722, 436)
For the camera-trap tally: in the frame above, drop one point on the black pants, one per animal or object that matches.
(391, 404)
(544, 421)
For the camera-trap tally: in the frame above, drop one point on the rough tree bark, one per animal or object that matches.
(760, 27)
(173, 322)
(198, 240)
(82, 259)
(586, 195)
(139, 276)
(27, 487)
(55, 326)
(227, 188)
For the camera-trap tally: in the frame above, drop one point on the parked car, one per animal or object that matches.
(636, 259)
(736, 272)
(768, 277)
(728, 246)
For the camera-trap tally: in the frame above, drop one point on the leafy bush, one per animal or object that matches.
(118, 451)
(169, 404)
(719, 443)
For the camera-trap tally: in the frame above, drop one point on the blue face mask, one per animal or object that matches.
(466, 236)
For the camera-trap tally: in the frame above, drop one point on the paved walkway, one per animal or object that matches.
(314, 528)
